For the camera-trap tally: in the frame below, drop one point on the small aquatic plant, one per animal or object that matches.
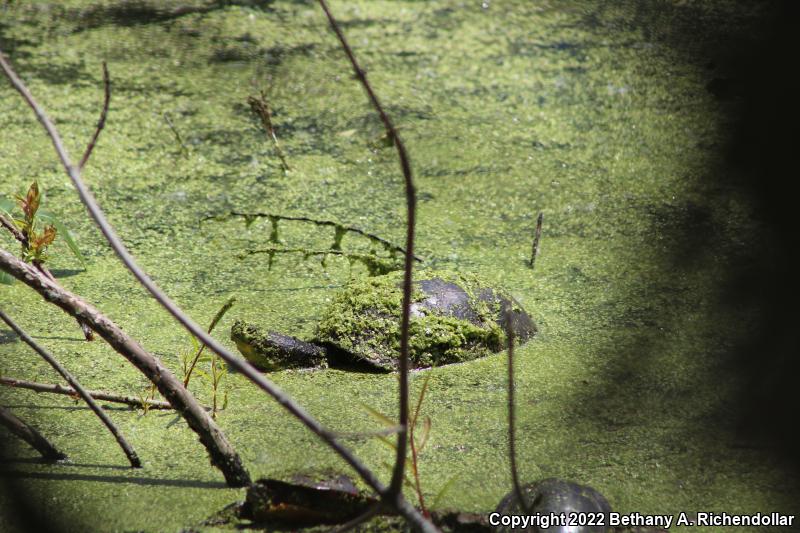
(216, 368)
(417, 440)
(34, 228)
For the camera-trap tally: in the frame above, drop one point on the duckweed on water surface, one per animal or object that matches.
(596, 113)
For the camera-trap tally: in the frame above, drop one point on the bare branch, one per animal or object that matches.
(100, 123)
(537, 235)
(15, 232)
(97, 395)
(30, 435)
(23, 240)
(396, 485)
(168, 385)
(172, 390)
(47, 356)
(512, 450)
(260, 107)
(222, 454)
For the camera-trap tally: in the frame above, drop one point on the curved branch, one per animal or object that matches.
(174, 394)
(97, 395)
(122, 343)
(83, 393)
(223, 456)
(396, 485)
(100, 123)
(512, 449)
(29, 435)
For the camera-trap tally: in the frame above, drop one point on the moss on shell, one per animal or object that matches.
(364, 319)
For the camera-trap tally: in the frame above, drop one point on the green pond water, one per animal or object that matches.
(595, 114)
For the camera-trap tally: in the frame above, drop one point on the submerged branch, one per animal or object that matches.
(340, 229)
(176, 133)
(29, 435)
(374, 264)
(83, 393)
(97, 395)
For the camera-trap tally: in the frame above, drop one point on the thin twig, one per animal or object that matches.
(23, 240)
(15, 232)
(83, 393)
(222, 454)
(204, 426)
(97, 395)
(30, 435)
(100, 123)
(173, 393)
(184, 148)
(396, 485)
(512, 450)
(261, 108)
(414, 455)
(537, 235)
(392, 430)
(224, 309)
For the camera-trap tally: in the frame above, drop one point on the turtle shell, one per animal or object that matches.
(454, 318)
(585, 509)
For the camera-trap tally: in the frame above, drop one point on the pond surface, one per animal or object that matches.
(599, 115)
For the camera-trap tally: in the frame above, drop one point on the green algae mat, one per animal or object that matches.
(599, 115)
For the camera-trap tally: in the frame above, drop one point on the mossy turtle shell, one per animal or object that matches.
(454, 318)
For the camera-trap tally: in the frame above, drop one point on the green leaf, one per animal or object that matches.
(7, 205)
(426, 430)
(380, 417)
(442, 491)
(195, 344)
(6, 279)
(390, 443)
(64, 232)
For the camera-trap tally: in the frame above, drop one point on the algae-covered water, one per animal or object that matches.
(596, 114)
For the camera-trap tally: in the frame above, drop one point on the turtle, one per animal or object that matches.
(575, 508)
(454, 318)
(304, 501)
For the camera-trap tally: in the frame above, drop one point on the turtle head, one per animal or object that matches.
(270, 351)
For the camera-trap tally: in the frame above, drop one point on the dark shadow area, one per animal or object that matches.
(137, 480)
(39, 461)
(8, 337)
(751, 77)
(139, 12)
(66, 272)
(762, 89)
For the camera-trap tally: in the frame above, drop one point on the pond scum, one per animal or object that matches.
(599, 115)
